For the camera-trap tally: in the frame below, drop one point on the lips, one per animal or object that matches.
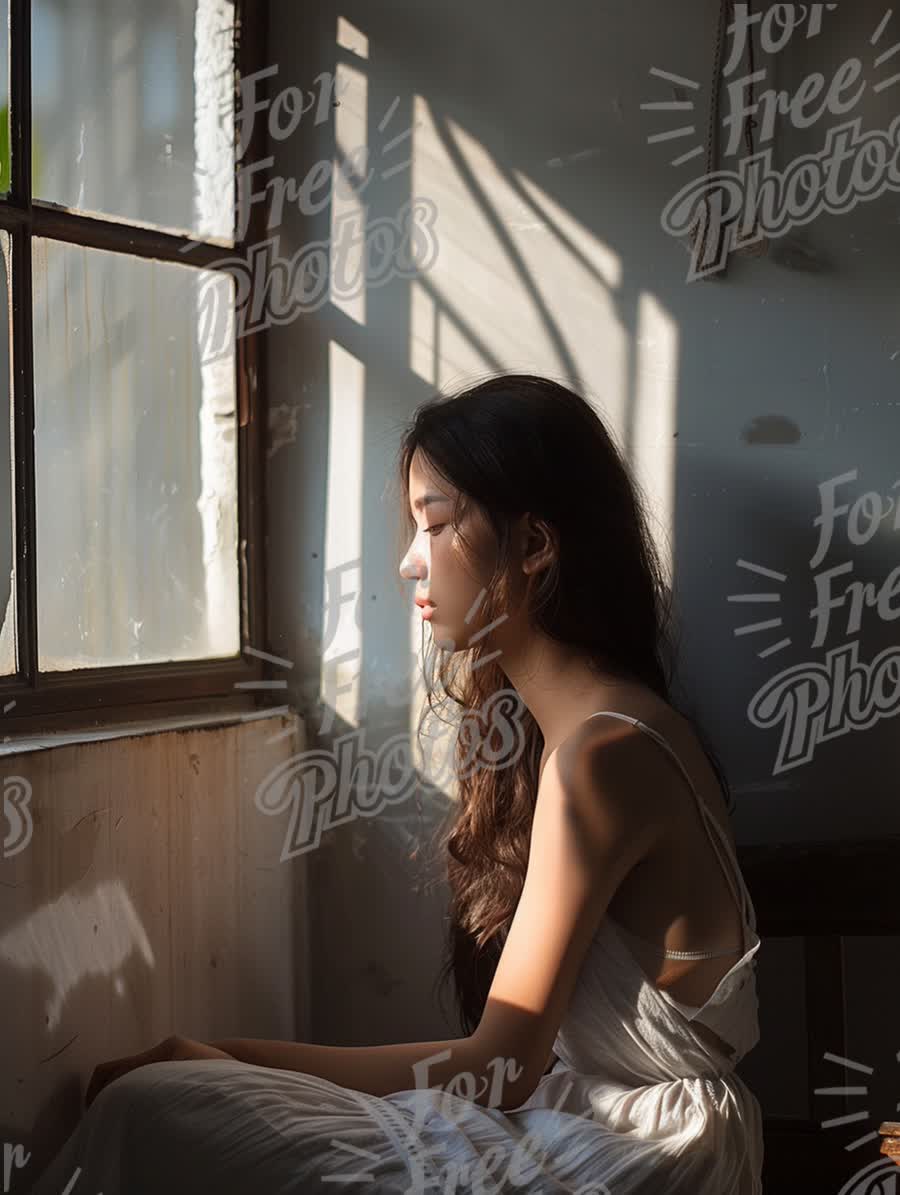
(426, 605)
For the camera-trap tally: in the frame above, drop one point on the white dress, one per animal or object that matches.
(638, 1102)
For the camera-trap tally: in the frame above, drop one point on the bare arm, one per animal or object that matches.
(380, 1070)
(592, 824)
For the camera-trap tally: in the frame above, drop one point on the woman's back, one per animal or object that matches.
(683, 899)
(656, 1071)
(680, 897)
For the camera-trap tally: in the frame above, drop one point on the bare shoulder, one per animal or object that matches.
(625, 759)
(609, 768)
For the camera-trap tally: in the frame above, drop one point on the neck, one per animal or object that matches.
(559, 688)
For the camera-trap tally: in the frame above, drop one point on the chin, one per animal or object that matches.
(444, 636)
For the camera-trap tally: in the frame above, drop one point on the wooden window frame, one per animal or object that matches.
(103, 694)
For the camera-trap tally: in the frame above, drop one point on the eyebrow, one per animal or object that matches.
(428, 499)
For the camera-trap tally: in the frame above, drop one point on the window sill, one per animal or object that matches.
(138, 723)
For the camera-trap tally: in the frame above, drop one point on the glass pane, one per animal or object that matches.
(135, 461)
(4, 101)
(8, 647)
(133, 111)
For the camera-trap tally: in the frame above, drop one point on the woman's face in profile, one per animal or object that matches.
(445, 576)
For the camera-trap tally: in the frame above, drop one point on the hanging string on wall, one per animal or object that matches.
(758, 244)
(707, 224)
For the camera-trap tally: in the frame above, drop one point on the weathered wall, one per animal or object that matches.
(736, 399)
(151, 899)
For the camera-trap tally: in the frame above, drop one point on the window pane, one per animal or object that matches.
(133, 111)
(135, 461)
(8, 657)
(4, 100)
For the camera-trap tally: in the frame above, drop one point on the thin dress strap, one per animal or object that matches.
(714, 831)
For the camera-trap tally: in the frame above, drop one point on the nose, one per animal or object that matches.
(414, 565)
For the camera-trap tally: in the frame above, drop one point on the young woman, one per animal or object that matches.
(602, 940)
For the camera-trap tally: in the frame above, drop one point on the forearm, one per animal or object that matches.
(380, 1070)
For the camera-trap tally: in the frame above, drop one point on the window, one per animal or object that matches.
(130, 537)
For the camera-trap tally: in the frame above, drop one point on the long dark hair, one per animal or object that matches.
(511, 444)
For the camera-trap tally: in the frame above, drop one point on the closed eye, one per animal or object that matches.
(435, 527)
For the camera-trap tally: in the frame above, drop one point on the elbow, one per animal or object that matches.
(519, 1089)
(506, 1084)
(514, 1097)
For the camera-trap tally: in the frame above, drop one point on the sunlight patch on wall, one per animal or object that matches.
(349, 37)
(341, 598)
(78, 935)
(423, 341)
(655, 418)
(599, 263)
(518, 283)
(348, 210)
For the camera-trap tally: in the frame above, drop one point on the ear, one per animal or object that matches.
(537, 544)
